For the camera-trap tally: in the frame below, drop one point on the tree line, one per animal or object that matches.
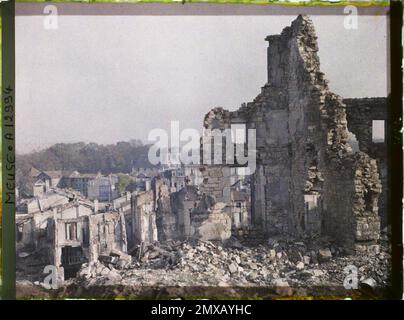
(87, 157)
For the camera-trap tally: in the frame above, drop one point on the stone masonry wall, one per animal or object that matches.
(166, 220)
(216, 177)
(308, 179)
(144, 217)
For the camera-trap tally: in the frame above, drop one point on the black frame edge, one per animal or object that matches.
(8, 149)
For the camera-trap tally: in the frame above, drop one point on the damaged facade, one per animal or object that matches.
(308, 180)
(365, 116)
(82, 239)
(161, 215)
(68, 234)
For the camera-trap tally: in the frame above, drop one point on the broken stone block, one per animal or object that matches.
(253, 266)
(370, 282)
(114, 274)
(107, 259)
(282, 288)
(324, 255)
(295, 256)
(233, 242)
(253, 275)
(99, 269)
(272, 242)
(317, 272)
(105, 271)
(372, 249)
(121, 255)
(233, 268)
(122, 264)
(85, 272)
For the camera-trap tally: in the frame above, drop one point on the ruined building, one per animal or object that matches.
(320, 170)
(161, 215)
(308, 179)
(68, 235)
(82, 239)
(363, 115)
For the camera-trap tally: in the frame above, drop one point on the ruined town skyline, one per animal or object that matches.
(314, 204)
(122, 92)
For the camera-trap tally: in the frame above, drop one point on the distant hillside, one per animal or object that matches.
(87, 158)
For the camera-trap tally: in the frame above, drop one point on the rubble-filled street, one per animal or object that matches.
(286, 267)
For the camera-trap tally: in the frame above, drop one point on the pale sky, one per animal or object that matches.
(105, 79)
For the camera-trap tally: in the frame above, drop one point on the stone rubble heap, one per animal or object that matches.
(283, 264)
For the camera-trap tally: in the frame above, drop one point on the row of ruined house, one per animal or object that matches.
(69, 232)
(91, 185)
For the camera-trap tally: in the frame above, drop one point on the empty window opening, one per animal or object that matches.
(378, 131)
(368, 198)
(71, 231)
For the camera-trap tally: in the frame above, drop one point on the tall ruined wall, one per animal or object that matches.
(360, 114)
(215, 177)
(314, 130)
(322, 162)
(173, 211)
(183, 203)
(144, 217)
(308, 179)
(166, 220)
(107, 232)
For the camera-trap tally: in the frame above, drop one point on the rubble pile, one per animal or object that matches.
(281, 263)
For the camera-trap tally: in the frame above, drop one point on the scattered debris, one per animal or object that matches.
(204, 263)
